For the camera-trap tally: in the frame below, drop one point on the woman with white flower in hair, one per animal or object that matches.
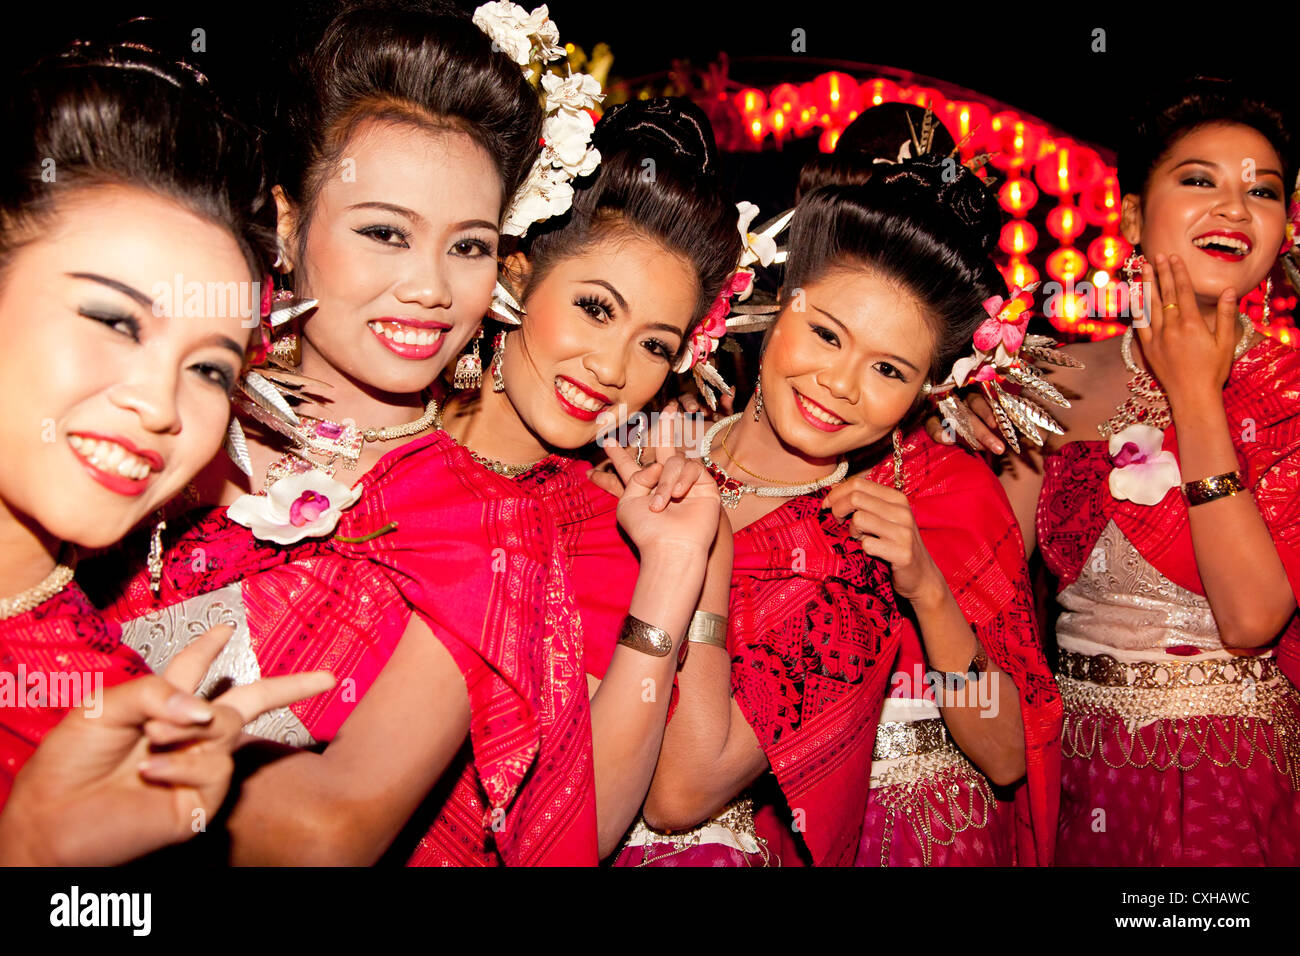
(610, 297)
(378, 549)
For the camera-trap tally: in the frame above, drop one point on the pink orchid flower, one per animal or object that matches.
(705, 339)
(1144, 473)
(306, 505)
(1008, 319)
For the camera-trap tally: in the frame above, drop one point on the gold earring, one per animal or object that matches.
(469, 367)
(156, 556)
(758, 394)
(498, 357)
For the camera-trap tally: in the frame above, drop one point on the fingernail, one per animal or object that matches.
(658, 501)
(999, 447)
(188, 708)
(152, 765)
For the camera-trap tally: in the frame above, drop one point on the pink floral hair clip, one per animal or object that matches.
(1004, 354)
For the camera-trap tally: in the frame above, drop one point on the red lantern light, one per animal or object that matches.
(1018, 196)
(778, 124)
(1065, 223)
(1108, 252)
(750, 101)
(828, 139)
(1019, 273)
(1016, 143)
(1066, 264)
(756, 129)
(786, 97)
(1101, 202)
(965, 119)
(836, 95)
(1018, 238)
(875, 92)
(1067, 169)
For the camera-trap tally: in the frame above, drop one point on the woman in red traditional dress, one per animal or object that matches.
(929, 804)
(1167, 513)
(798, 685)
(612, 294)
(113, 400)
(401, 261)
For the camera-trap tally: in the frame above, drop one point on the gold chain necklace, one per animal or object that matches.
(736, 461)
(1148, 404)
(491, 464)
(34, 597)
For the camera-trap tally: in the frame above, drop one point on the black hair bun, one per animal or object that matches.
(880, 132)
(677, 125)
(947, 190)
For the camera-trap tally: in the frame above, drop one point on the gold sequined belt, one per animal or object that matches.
(909, 738)
(1106, 671)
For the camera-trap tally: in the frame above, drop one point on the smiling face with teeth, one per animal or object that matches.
(110, 408)
(1216, 199)
(401, 255)
(843, 369)
(599, 336)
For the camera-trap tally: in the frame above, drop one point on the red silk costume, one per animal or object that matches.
(63, 637)
(970, 531)
(477, 561)
(1221, 804)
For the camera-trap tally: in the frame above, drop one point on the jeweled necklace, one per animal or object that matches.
(340, 443)
(491, 464)
(34, 597)
(1148, 405)
(732, 489)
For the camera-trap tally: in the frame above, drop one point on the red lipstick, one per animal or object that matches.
(384, 329)
(800, 399)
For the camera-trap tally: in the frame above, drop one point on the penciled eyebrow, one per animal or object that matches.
(410, 214)
(225, 342)
(1213, 165)
(128, 291)
(897, 358)
(622, 303)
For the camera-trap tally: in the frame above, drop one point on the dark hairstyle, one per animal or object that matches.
(878, 134)
(658, 176)
(431, 69)
(1173, 112)
(914, 227)
(123, 114)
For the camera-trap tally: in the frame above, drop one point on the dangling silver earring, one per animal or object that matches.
(758, 394)
(156, 556)
(926, 388)
(1268, 301)
(469, 367)
(498, 357)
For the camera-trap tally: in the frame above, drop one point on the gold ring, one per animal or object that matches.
(1171, 305)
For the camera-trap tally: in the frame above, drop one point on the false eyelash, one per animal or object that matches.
(588, 301)
(111, 318)
(227, 377)
(372, 230)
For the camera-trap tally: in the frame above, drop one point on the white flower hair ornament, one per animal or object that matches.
(1004, 353)
(521, 35)
(567, 127)
(566, 151)
(760, 247)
